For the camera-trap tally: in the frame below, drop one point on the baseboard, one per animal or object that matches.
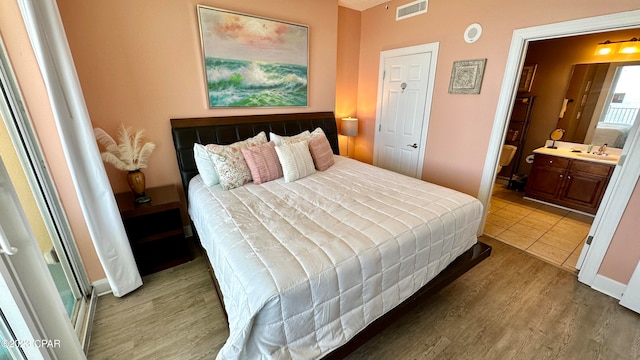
(102, 287)
(608, 286)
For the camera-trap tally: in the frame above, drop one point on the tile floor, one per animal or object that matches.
(552, 234)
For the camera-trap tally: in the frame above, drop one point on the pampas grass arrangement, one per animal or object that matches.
(128, 155)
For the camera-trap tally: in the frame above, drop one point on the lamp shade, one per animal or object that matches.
(349, 126)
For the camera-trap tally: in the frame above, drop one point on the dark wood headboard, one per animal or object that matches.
(229, 129)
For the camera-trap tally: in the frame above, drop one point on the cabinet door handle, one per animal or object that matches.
(569, 177)
(561, 175)
(550, 161)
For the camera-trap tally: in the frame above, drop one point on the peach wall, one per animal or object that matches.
(347, 68)
(555, 59)
(460, 125)
(624, 252)
(139, 63)
(35, 96)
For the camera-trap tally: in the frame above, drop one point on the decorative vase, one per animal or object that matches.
(135, 179)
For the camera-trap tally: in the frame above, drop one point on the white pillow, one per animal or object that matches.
(205, 165)
(280, 140)
(296, 160)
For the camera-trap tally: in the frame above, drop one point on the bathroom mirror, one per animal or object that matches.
(601, 103)
(555, 135)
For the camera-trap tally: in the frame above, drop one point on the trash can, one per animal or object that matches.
(518, 182)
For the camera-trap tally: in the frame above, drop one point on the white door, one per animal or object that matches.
(407, 85)
(33, 323)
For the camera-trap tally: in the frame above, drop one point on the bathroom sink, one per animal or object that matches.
(600, 157)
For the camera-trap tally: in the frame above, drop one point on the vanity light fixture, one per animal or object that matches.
(631, 46)
(606, 48)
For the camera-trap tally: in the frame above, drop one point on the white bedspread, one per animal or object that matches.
(305, 266)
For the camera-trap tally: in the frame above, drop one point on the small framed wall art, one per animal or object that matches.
(526, 78)
(466, 76)
(250, 61)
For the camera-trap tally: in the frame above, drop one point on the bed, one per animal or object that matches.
(313, 268)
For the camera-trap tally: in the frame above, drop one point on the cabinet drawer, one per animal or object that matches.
(554, 161)
(590, 167)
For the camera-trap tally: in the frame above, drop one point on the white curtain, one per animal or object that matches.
(46, 33)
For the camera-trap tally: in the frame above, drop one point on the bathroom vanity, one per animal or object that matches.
(575, 180)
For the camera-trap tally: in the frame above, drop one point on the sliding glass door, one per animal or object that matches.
(34, 322)
(37, 194)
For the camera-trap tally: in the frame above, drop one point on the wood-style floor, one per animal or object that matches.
(510, 306)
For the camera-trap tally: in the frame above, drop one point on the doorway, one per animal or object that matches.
(588, 83)
(405, 90)
(624, 178)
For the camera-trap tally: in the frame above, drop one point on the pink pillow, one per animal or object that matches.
(263, 162)
(321, 152)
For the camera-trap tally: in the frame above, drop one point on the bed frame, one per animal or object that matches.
(227, 130)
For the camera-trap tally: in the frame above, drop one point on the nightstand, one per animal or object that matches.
(155, 229)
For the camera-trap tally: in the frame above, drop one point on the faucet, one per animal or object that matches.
(601, 150)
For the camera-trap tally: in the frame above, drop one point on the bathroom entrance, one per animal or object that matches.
(624, 178)
(599, 107)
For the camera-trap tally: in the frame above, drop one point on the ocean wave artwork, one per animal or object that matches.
(253, 62)
(237, 83)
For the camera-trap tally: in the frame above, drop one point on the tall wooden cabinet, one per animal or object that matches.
(517, 131)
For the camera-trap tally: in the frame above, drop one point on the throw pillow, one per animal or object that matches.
(296, 160)
(280, 140)
(205, 165)
(321, 152)
(229, 162)
(263, 162)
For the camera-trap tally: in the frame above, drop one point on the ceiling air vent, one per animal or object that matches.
(411, 9)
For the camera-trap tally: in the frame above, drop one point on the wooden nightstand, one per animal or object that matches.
(155, 229)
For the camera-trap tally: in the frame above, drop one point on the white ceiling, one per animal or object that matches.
(361, 5)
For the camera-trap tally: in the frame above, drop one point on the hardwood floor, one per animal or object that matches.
(174, 315)
(510, 306)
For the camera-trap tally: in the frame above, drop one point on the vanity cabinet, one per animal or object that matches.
(575, 184)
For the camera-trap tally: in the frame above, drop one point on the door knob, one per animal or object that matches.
(415, 146)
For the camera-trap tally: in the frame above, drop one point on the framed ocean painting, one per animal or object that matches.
(251, 61)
